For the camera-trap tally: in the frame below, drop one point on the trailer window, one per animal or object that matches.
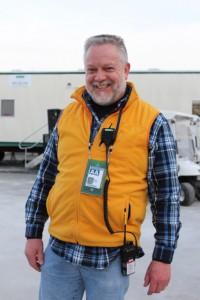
(7, 108)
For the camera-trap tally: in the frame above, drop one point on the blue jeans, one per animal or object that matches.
(61, 280)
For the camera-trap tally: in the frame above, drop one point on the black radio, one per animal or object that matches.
(128, 255)
(108, 136)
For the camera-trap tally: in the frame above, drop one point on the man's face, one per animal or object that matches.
(106, 74)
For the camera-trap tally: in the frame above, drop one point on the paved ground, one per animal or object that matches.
(19, 282)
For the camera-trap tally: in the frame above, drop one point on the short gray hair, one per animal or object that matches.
(107, 39)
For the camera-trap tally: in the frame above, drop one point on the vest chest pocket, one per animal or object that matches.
(130, 140)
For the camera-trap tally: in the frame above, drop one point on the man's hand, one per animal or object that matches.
(34, 253)
(157, 277)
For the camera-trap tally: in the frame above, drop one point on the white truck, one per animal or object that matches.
(186, 131)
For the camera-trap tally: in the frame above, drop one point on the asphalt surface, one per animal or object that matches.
(19, 282)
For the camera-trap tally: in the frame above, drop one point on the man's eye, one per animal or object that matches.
(91, 70)
(109, 69)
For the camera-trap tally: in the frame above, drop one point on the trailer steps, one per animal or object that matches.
(34, 162)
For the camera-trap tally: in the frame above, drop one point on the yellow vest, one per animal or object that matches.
(78, 218)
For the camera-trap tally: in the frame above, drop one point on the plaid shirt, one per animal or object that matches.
(164, 192)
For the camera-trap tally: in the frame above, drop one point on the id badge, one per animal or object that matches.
(94, 178)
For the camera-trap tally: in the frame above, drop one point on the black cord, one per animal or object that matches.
(106, 207)
(105, 193)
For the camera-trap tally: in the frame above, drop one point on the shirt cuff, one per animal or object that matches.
(34, 231)
(163, 254)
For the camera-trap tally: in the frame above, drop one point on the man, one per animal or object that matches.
(107, 149)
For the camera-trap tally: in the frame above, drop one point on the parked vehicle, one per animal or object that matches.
(186, 131)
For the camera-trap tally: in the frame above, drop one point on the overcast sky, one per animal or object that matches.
(48, 35)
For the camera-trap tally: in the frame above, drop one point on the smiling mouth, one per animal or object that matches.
(102, 86)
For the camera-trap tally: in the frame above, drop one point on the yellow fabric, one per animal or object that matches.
(77, 217)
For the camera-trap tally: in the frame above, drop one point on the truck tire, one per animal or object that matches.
(187, 194)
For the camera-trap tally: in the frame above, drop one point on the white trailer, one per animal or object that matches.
(24, 102)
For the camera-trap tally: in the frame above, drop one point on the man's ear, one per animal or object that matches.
(127, 69)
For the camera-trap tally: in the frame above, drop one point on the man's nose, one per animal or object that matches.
(100, 75)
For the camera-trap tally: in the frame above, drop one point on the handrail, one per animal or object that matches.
(32, 146)
(25, 148)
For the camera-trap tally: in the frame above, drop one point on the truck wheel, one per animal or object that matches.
(187, 194)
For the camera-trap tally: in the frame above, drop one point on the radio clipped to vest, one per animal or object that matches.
(108, 136)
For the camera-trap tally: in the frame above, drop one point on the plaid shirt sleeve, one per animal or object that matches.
(164, 190)
(35, 210)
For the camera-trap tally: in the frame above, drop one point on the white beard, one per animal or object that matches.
(104, 99)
